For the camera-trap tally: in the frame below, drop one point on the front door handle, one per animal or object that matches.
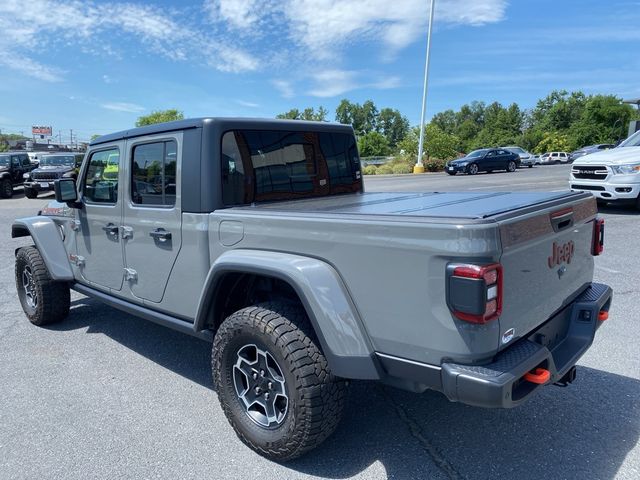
(160, 234)
(111, 229)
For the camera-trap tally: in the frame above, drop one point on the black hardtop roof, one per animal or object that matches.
(226, 123)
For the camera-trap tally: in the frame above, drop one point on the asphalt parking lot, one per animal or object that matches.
(107, 395)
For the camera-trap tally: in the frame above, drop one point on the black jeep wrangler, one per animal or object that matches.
(13, 167)
(51, 168)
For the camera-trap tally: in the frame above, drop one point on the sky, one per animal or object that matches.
(95, 66)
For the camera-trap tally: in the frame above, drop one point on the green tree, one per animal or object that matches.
(363, 118)
(307, 114)
(393, 125)
(553, 142)
(159, 116)
(373, 144)
(437, 144)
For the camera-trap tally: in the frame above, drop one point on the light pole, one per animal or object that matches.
(419, 167)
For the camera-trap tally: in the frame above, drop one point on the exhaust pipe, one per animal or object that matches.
(567, 378)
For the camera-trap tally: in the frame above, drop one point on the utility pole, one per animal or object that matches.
(71, 138)
(419, 166)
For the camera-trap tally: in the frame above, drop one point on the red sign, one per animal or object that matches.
(40, 130)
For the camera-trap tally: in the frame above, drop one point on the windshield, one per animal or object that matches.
(516, 150)
(57, 160)
(477, 153)
(4, 160)
(632, 141)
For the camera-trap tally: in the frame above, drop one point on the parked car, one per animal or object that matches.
(581, 152)
(265, 251)
(554, 157)
(610, 175)
(526, 158)
(13, 167)
(484, 160)
(52, 167)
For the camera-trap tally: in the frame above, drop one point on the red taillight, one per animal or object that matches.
(598, 237)
(475, 292)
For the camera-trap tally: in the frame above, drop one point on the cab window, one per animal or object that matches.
(153, 174)
(101, 177)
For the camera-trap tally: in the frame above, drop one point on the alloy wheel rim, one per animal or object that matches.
(260, 386)
(29, 287)
(473, 169)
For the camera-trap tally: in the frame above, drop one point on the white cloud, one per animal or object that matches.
(107, 79)
(124, 107)
(27, 26)
(326, 25)
(330, 83)
(238, 13)
(285, 87)
(244, 103)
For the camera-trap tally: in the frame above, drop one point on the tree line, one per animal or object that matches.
(562, 121)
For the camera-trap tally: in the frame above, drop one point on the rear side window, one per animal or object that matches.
(153, 174)
(101, 177)
(266, 165)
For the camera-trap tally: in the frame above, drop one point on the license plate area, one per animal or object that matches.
(44, 184)
(554, 331)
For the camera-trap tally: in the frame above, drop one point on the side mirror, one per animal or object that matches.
(66, 192)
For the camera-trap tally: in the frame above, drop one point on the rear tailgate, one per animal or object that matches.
(547, 261)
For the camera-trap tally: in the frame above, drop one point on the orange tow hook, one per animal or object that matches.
(602, 316)
(539, 376)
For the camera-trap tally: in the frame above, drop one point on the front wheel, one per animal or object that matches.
(473, 169)
(30, 193)
(511, 166)
(530, 166)
(43, 299)
(273, 381)
(6, 188)
(452, 173)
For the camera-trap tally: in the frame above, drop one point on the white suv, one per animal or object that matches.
(611, 175)
(555, 157)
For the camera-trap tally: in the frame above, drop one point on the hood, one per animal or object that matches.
(615, 156)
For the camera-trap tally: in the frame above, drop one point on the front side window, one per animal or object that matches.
(153, 174)
(265, 165)
(4, 160)
(101, 177)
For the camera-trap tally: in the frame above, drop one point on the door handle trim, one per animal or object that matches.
(160, 234)
(111, 229)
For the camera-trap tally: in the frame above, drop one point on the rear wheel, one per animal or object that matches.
(6, 188)
(273, 382)
(511, 166)
(473, 169)
(43, 299)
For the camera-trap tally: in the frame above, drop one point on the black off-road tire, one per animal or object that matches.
(315, 396)
(473, 169)
(638, 203)
(30, 193)
(52, 298)
(6, 188)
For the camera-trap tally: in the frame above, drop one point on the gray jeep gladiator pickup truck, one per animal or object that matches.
(257, 235)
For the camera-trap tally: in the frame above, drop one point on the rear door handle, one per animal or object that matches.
(160, 234)
(111, 229)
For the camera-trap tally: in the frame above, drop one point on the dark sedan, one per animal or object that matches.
(484, 160)
(589, 149)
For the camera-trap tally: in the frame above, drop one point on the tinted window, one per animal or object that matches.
(153, 171)
(101, 178)
(261, 165)
(25, 161)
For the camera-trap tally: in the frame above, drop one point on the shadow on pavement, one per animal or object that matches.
(583, 431)
(614, 209)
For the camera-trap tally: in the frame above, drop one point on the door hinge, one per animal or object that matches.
(76, 260)
(126, 232)
(130, 274)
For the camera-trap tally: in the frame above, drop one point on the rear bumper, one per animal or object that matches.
(555, 346)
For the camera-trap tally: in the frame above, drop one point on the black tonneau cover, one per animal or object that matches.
(460, 205)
